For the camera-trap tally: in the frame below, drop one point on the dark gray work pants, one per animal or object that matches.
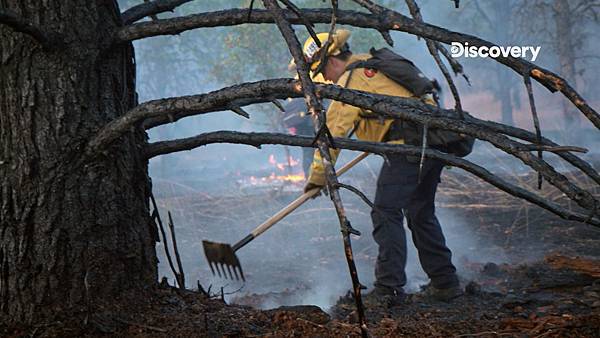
(399, 192)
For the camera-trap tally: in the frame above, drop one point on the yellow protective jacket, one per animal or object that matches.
(343, 118)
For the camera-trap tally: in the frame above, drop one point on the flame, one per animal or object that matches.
(291, 166)
(292, 178)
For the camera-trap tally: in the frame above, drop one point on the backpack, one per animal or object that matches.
(406, 74)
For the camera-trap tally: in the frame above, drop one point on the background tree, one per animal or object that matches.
(566, 26)
(484, 17)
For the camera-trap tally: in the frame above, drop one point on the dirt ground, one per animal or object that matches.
(526, 273)
(559, 297)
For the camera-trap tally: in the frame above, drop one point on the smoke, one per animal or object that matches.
(300, 260)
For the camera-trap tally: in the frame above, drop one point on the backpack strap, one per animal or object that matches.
(346, 86)
(358, 64)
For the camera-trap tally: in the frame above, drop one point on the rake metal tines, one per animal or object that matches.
(221, 256)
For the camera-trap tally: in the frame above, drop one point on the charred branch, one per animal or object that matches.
(181, 280)
(157, 112)
(47, 39)
(416, 111)
(387, 20)
(259, 139)
(359, 193)
(156, 216)
(151, 8)
(323, 141)
(536, 120)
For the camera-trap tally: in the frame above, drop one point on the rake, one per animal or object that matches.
(221, 256)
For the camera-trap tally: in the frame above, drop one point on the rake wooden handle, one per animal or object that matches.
(292, 206)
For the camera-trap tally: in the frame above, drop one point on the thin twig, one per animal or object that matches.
(536, 121)
(238, 110)
(201, 289)
(181, 280)
(250, 7)
(359, 193)
(156, 214)
(277, 104)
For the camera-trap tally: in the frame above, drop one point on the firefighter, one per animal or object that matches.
(399, 192)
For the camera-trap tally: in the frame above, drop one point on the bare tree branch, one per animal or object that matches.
(47, 39)
(536, 120)
(156, 216)
(141, 11)
(388, 20)
(157, 112)
(163, 111)
(421, 113)
(258, 139)
(387, 106)
(323, 141)
(181, 280)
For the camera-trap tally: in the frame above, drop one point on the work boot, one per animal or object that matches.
(442, 295)
(384, 296)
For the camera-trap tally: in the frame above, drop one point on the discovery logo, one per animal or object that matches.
(458, 49)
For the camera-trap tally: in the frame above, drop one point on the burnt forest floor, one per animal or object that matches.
(526, 273)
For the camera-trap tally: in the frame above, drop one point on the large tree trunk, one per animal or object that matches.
(73, 233)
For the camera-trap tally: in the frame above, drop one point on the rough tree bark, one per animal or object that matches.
(74, 231)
